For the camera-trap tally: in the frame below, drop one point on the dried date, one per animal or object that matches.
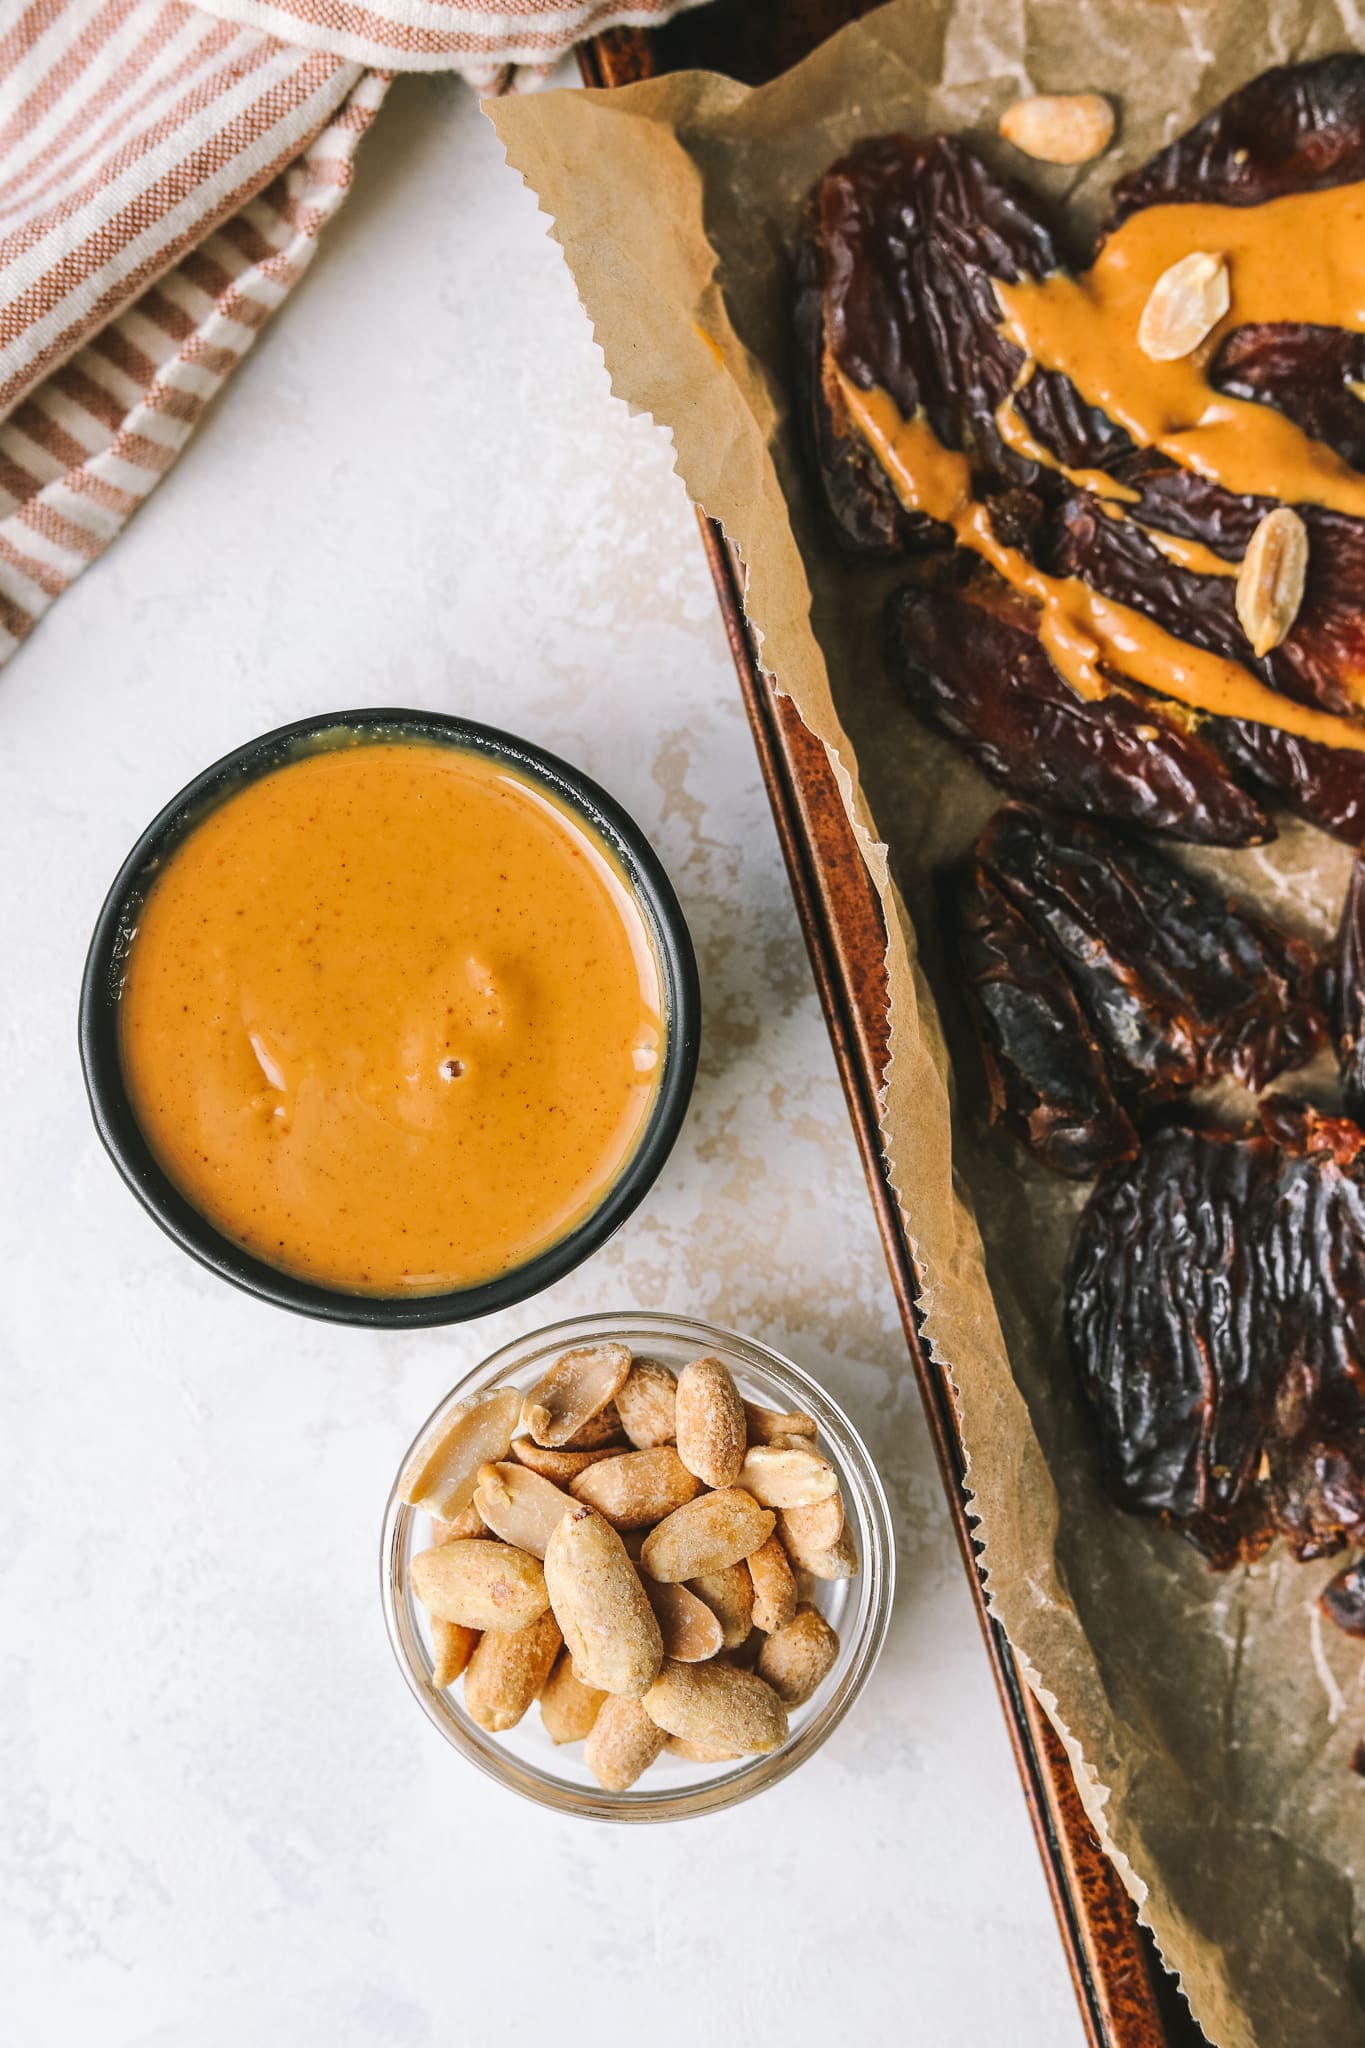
(1216, 1320)
(869, 519)
(1349, 994)
(1180, 985)
(1324, 653)
(1311, 374)
(1162, 1314)
(1295, 128)
(971, 664)
(895, 289)
(1325, 785)
(1049, 1079)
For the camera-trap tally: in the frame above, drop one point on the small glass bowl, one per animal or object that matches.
(525, 1759)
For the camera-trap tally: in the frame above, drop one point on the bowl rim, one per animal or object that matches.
(750, 1775)
(115, 927)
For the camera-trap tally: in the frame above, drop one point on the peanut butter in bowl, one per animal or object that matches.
(394, 1018)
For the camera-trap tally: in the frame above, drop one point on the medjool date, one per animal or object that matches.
(1216, 1319)
(1163, 1315)
(869, 519)
(1049, 1079)
(1322, 656)
(971, 664)
(1325, 785)
(896, 290)
(1295, 128)
(1307, 372)
(1181, 985)
(903, 241)
(1349, 993)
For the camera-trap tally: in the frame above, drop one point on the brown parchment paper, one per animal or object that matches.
(1210, 1719)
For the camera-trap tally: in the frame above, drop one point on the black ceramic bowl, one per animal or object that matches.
(102, 986)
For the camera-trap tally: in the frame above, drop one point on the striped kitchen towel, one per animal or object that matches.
(165, 172)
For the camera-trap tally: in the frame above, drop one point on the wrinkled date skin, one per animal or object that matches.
(894, 287)
(1325, 785)
(869, 520)
(1216, 1321)
(970, 662)
(1307, 373)
(1349, 994)
(1049, 1078)
(903, 242)
(1327, 644)
(1295, 128)
(1181, 987)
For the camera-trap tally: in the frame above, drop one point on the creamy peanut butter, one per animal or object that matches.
(392, 1019)
(1300, 258)
(1088, 637)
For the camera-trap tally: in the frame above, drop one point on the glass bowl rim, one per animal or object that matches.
(751, 1774)
(101, 982)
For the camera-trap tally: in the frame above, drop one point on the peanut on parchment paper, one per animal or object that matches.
(641, 1560)
(1060, 127)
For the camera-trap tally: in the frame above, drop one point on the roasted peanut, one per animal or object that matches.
(1060, 128)
(558, 1466)
(712, 1434)
(601, 1432)
(622, 1745)
(1186, 303)
(838, 1562)
(717, 1706)
(439, 1476)
(763, 1424)
(779, 1476)
(451, 1649)
(601, 1606)
(480, 1583)
(796, 1660)
(816, 1527)
(519, 1505)
(575, 1389)
(507, 1671)
(690, 1629)
(744, 1655)
(711, 1532)
(730, 1596)
(646, 1404)
(699, 1752)
(637, 1488)
(567, 1706)
(1271, 579)
(774, 1586)
(469, 1522)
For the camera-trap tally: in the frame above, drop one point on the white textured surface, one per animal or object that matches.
(222, 1819)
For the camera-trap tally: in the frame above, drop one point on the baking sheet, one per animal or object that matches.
(1210, 1719)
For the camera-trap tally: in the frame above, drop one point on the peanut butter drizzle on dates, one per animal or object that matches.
(1084, 633)
(1299, 258)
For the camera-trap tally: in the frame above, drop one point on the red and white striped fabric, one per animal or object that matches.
(165, 172)
(482, 41)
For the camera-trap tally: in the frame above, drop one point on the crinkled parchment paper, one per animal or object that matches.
(1210, 1720)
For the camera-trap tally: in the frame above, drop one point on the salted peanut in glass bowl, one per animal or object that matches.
(858, 1608)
